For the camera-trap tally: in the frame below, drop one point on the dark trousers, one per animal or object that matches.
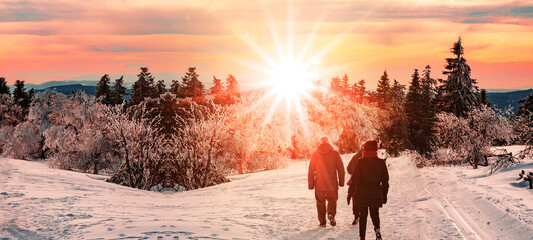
(321, 208)
(374, 214)
(355, 208)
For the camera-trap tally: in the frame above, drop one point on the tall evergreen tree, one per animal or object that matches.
(143, 87)
(428, 83)
(4, 89)
(420, 113)
(19, 94)
(102, 90)
(383, 90)
(191, 86)
(413, 109)
(22, 98)
(361, 90)
(217, 90)
(483, 99)
(396, 136)
(344, 84)
(118, 91)
(232, 88)
(458, 94)
(160, 88)
(175, 88)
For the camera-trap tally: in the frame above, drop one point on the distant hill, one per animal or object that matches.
(52, 84)
(67, 89)
(503, 100)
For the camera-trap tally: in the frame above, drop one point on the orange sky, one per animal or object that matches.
(69, 39)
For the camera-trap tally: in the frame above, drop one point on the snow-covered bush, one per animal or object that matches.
(347, 123)
(22, 142)
(9, 111)
(75, 134)
(198, 146)
(136, 146)
(471, 137)
(45, 110)
(255, 138)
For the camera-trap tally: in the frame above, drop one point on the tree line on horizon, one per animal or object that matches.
(181, 138)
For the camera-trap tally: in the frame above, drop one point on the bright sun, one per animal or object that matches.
(291, 80)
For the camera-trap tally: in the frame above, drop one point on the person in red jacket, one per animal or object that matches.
(370, 184)
(326, 164)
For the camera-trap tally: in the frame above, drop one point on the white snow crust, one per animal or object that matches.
(458, 202)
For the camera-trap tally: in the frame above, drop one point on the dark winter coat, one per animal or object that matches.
(325, 166)
(369, 182)
(351, 165)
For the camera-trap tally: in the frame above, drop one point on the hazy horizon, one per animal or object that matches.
(69, 39)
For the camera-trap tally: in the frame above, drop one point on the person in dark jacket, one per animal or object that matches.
(370, 184)
(325, 166)
(350, 169)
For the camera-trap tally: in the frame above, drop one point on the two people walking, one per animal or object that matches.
(368, 185)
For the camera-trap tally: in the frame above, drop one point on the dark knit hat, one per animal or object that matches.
(371, 146)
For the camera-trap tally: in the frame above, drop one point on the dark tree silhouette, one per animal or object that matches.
(191, 86)
(143, 87)
(119, 91)
(420, 114)
(102, 90)
(383, 91)
(160, 88)
(4, 89)
(458, 94)
(483, 99)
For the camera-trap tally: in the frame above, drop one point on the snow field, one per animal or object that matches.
(37, 202)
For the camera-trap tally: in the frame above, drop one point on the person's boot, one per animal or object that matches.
(378, 234)
(355, 220)
(331, 219)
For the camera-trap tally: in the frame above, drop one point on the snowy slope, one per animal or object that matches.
(37, 202)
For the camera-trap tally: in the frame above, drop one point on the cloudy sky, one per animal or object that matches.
(71, 39)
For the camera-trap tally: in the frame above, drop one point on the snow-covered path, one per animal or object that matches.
(37, 202)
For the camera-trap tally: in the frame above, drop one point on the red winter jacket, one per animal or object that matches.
(325, 166)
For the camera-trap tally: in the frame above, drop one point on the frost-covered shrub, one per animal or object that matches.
(6, 133)
(198, 146)
(471, 137)
(46, 108)
(254, 139)
(9, 111)
(136, 146)
(22, 142)
(75, 134)
(347, 123)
